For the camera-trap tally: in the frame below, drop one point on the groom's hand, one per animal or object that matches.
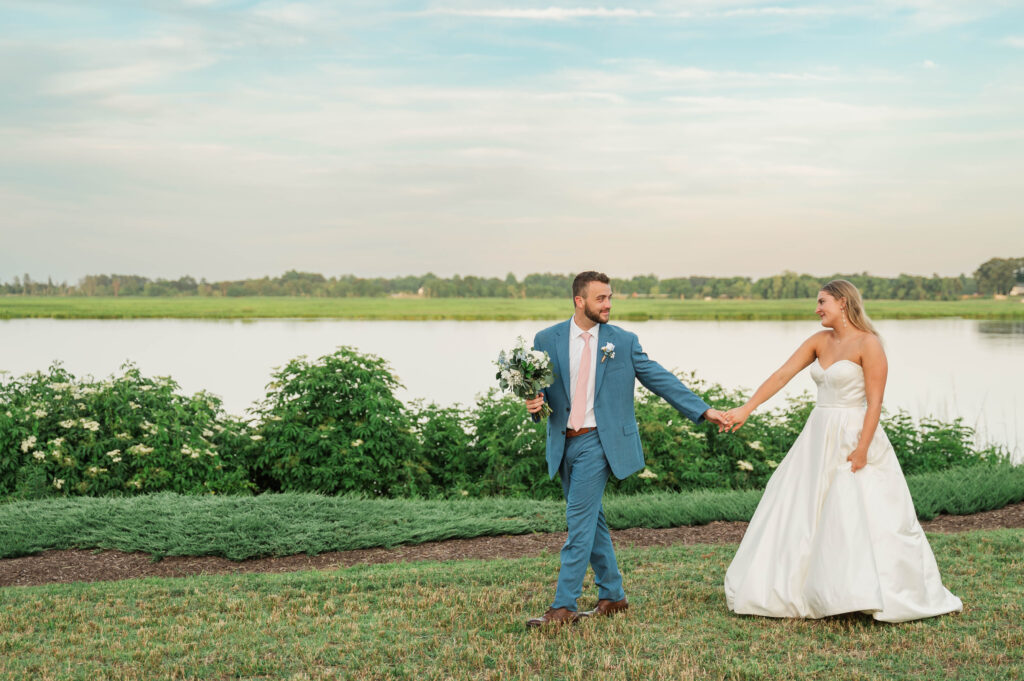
(718, 418)
(536, 404)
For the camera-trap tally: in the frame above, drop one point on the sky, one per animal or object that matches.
(235, 139)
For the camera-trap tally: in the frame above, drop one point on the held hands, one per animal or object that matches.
(718, 418)
(736, 418)
(536, 404)
(858, 459)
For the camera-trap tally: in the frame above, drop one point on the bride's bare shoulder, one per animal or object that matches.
(818, 338)
(813, 346)
(870, 345)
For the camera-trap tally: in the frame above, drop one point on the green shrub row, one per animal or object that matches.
(60, 436)
(283, 524)
(333, 425)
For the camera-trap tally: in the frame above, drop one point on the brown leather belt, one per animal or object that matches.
(575, 433)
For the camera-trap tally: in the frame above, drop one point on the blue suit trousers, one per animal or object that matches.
(584, 471)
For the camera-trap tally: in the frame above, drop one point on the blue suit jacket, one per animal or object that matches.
(614, 388)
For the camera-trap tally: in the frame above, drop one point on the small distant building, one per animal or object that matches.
(405, 294)
(1017, 290)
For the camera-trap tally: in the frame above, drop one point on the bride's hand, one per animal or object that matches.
(737, 417)
(858, 459)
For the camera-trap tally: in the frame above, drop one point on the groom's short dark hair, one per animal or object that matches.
(584, 278)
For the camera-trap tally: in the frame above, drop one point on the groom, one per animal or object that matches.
(592, 433)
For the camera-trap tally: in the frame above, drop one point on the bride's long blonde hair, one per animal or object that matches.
(840, 289)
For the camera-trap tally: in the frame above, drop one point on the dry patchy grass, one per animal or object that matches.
(465, 621)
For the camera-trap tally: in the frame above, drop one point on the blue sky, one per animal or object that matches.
(238, 139)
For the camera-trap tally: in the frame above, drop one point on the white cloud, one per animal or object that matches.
(929, 64)
(936, 15)
(545, 13)
(116, 66)
(292, 14)
(109, 79)
(337, 154)
(787, 11)
(1013, 41)
(929, 15)
(621, 77)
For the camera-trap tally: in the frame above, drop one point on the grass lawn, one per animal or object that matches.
(464, 620)
(12, 307)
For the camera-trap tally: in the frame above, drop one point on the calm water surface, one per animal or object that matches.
(944, 368)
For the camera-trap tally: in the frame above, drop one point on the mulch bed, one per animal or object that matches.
(94, 566)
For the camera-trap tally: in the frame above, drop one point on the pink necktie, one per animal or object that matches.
(579, 400)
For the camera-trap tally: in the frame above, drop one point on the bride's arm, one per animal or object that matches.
(876, 370)
(803, 356)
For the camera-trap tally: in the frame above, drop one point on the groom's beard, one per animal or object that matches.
(594, 315)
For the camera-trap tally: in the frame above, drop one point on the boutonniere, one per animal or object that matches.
(608, 351)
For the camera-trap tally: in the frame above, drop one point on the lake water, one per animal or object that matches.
(943, 368)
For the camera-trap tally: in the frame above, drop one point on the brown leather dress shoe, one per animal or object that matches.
(606, 607)
(554, 616)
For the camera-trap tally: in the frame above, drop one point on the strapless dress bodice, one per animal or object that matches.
(840, 385)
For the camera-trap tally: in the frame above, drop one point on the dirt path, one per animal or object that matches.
(88, 566)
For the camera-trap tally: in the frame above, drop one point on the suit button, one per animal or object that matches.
(568, 410)
(563, 432)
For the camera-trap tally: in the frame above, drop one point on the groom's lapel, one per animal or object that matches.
(604, 334)
(562, 357)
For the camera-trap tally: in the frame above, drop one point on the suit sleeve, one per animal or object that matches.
(666, 385)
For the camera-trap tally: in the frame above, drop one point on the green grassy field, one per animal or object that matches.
(12, 307)
(464, 620)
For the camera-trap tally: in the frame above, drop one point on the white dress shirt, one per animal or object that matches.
(575, 353)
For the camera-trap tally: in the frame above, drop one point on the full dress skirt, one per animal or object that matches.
(824, 540)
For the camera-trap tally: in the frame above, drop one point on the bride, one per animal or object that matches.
(836, 530)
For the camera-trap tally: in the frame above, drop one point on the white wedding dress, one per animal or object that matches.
(825, 541)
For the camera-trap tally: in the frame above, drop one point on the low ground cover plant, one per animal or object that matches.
(239, 527)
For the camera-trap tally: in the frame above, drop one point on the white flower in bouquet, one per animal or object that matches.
(524, 372)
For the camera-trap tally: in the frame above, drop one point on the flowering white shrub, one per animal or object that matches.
(126, 434)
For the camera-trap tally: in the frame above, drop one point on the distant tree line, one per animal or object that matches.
(995, 276)
(999, 275)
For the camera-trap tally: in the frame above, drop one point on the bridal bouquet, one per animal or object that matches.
(524, 372)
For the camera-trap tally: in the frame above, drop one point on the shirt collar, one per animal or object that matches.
(575, 331)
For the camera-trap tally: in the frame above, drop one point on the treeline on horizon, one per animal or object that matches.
(995, 276)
